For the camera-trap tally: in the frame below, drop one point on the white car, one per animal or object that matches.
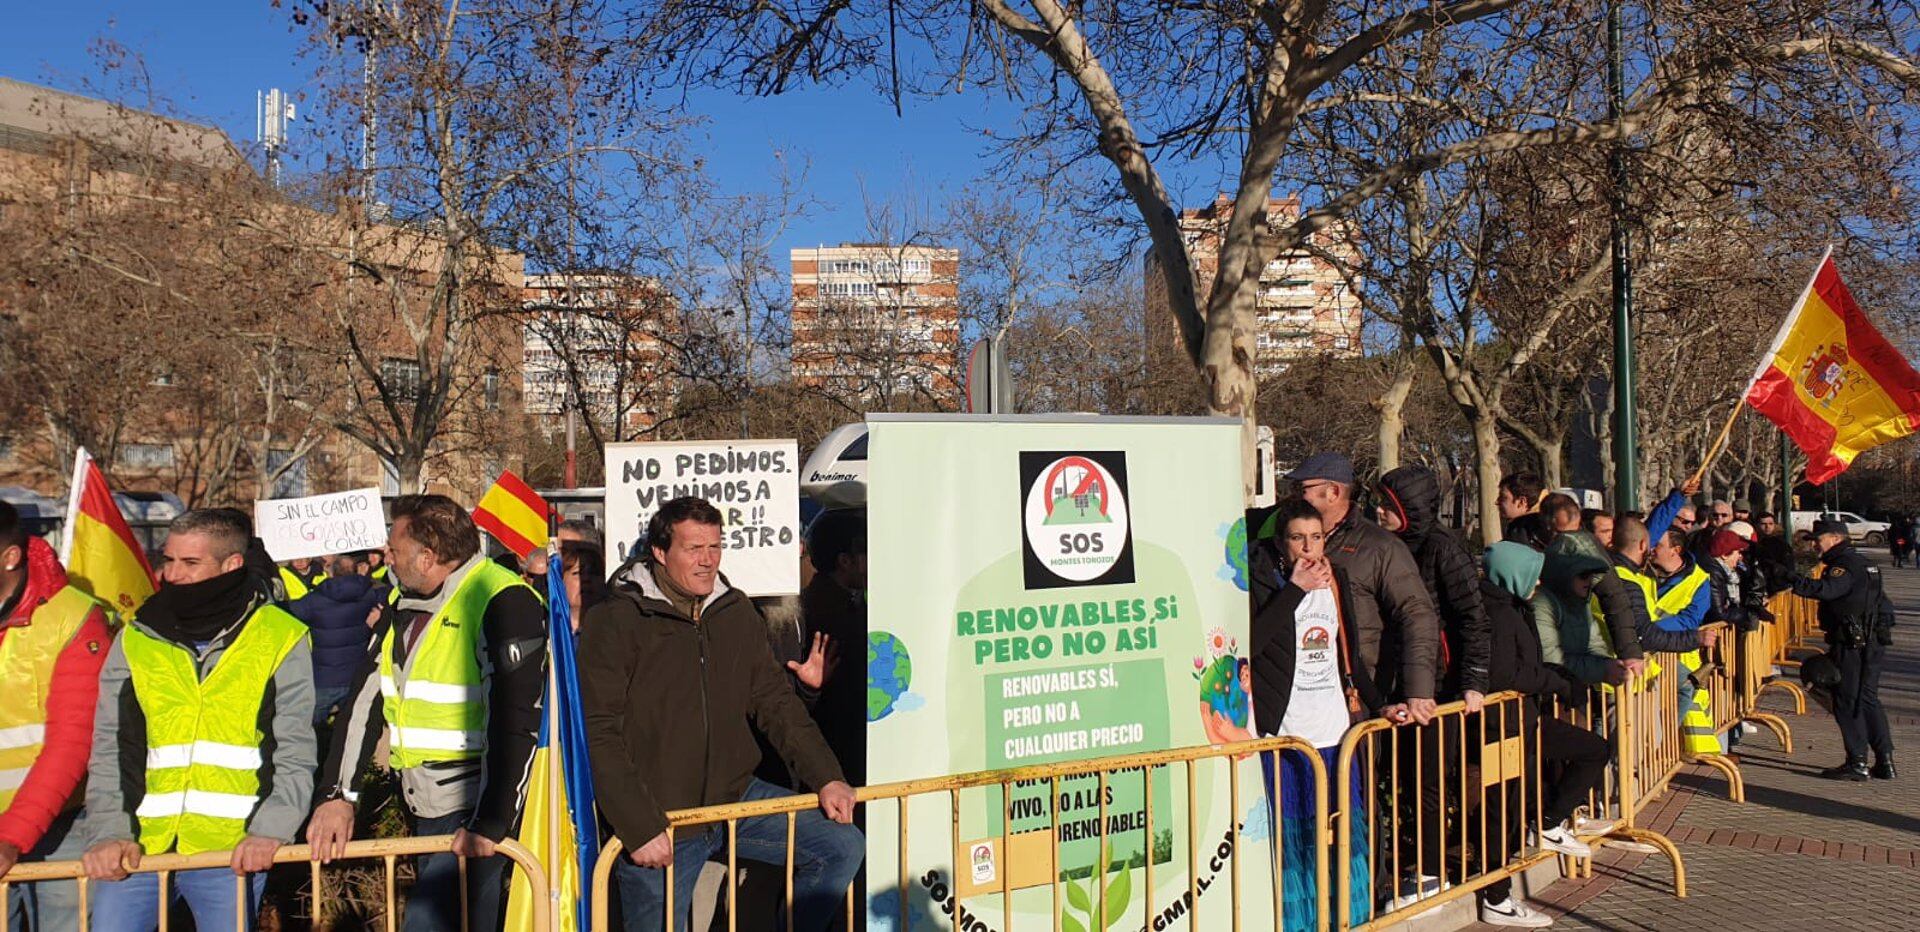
(1871, 533)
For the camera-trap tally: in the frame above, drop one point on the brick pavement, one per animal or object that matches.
(1802, 853)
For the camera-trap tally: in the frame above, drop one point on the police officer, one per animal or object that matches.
(1852, 607)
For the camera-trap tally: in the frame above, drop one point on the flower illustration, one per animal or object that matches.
(1219, 643)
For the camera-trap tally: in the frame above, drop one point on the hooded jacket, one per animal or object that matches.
(671, 702)
(51, 783)
(1413, 492)
(336, 612)
(1396, 632)
(1621, 603)
(1568, 636)
(1516, 662)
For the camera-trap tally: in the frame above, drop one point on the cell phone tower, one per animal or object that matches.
(272, 111)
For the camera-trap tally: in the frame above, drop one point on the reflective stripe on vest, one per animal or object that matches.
(204, 740)
(27, 656)
(436, 710)
(1675, 600)
(297, 588)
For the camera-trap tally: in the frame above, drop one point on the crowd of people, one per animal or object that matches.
(246, 706)
(1570, 600)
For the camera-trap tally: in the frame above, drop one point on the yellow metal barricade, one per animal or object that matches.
(1185, 760)
(387, 851)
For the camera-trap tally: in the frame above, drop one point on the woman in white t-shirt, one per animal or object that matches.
(1306, 685)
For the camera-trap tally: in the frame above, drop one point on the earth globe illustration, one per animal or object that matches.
(889, 674)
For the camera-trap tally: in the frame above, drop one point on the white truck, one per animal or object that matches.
(1871, 533)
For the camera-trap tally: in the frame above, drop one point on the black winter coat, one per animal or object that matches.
(1450, 577)
(1515, 661)
(1272, 651)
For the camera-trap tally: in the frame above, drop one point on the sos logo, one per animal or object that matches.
(1074, 519)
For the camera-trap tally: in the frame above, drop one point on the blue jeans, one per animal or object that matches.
(52, 905)
(325, 698)
(133, 904)
(827, 855)
(434, 902)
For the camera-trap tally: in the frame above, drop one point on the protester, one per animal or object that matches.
(1599, 524)
(203, 736)
(301, 575)
(676, 645)
(1561, 511)
(1568, 636)
(53, 640)
(1519, 495)
(456, 680)
(1616, 614)
(1857, 621)
(1305, 684)
(1742, 510)
(585, 574)
(1513, 576)
(834, 605)
(1683, 602)
(1773, 554)
(1630, 559)
(578, 531)
(336, 613)
(1700, 541)
(1410, 503)
(1395, 628)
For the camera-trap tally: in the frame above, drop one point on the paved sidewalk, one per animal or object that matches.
(1802, 853)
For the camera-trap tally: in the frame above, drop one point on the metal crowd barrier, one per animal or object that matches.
(388, 851)
(902, 793)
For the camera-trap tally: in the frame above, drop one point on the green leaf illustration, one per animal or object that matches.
(1119, 892)
(1077, 898)
(1070, 924)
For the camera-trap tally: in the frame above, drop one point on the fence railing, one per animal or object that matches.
(386, 851)
(902, 794)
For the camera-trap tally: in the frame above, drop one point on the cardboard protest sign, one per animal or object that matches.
(318, 525)
(754, 483)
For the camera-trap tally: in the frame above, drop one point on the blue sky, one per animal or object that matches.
(208, 59)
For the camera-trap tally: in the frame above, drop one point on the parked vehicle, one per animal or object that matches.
(1863, 531)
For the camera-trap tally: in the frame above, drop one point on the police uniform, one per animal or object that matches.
(1848, 590)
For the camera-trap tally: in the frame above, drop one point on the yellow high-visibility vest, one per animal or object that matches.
(27, 656)
(204, 743)
(297, 587)
(439, 712)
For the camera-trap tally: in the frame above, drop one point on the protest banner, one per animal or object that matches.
(318, 525)
(1057, 589)
(754, 483)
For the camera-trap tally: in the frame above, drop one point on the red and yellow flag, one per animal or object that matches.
(1832, 382)
(100, 552)
(514, 514)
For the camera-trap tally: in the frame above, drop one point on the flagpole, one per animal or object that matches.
(555, 773)
(73, 504)
(1766, 360)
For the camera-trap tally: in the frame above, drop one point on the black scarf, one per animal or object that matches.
(194, 613)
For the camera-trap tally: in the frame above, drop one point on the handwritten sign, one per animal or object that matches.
(318, 525)
(755, 484)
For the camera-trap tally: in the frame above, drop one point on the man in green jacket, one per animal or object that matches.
(676, 671)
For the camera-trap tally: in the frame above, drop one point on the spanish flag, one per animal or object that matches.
(514, 514)
(1832, 382)
(100, 552)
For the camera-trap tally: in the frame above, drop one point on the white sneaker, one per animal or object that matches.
(1749, 728)
(1561, 838)
(1513, 914)
(1427, 886)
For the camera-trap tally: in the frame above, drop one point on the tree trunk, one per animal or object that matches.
(1553, 459)
(1226, 365)
(1486, 462)
(1393, 404)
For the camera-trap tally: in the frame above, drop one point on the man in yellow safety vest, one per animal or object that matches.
(300, 576)
(456, 686)
(1683, 600)
(203, 736)
(53, 638)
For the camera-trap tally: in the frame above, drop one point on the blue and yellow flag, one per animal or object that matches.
(559, 826)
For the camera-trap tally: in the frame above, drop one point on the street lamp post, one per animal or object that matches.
(1626, 441)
